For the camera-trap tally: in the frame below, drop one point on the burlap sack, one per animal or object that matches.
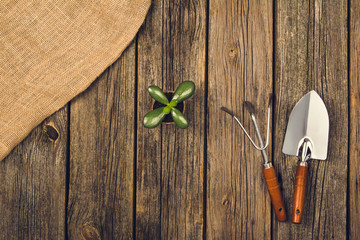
(50, 51)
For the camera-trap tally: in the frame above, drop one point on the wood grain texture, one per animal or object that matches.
(102, 155)
(148, 161)
(240, 68)
(354, 130)
(182, 195)
(170, 162)
(32, 183)
(177, 178)
(311, 53)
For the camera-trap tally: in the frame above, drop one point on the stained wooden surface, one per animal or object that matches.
(101, 168)
(170, 161)
(240, 68)
(92, 171)
(354, 123)
(311, 53)
(33, 183)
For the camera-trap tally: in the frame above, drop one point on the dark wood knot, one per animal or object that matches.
(89, 232)
(50, 130)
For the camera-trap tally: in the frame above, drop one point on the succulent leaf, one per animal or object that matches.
(179, 119)
(173, 103)
(158, 94)
(154, 118)
(167, 110)
(184, 91)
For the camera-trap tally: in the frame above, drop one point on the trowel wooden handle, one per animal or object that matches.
(299, 193)
(275, 193)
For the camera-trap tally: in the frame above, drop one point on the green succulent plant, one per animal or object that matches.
(155, 117)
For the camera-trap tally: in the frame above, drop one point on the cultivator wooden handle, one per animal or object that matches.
(275, 193)
(299, 192)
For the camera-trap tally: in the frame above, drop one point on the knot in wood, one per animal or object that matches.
(51, 131)
(89, 232)
(232, 53)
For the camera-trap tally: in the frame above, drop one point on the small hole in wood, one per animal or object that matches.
(297, 211)
(232, 53)
(280, 209)
(225, 202)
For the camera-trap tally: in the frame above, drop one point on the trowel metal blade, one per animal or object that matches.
(308, 120)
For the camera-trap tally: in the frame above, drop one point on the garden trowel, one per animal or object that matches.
(306, 137)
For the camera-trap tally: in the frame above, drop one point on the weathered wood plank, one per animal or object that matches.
(102, 154)
(354, 89)
(170, 163)
(240, 68)
(311, 53)
(148, 161)
(182, 180)
(32, 183)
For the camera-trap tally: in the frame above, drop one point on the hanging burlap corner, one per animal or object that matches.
(50, 51)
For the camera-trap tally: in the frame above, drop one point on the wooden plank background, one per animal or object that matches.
(92, 171)
(240, 68)
(311, 53)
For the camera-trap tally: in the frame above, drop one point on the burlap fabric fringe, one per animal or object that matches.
(50, 51)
